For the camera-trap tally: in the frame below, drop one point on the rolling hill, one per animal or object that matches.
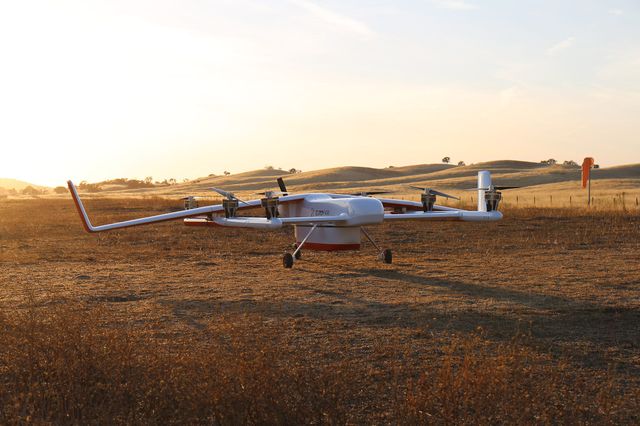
(533, 178)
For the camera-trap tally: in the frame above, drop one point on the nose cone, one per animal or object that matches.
(365, 211)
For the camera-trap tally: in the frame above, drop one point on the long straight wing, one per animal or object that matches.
(200, 211)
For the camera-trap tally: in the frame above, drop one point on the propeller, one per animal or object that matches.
(228, 195)
(367, 193)
(195, 197)
(431, 191)
(493, 188)
(270, 194)
(282, 186)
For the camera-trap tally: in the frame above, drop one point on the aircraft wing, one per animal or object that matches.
(262, 222)
(407, 205)
(464, 215)
(200, 216)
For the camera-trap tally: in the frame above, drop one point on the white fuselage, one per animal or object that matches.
(358, 211)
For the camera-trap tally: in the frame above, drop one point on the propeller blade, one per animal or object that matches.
(224, 193)
(270, 193)
(281, 185)
(229, 195)
(367, 193)
(442, 194)
(497, 188)
(434, 192)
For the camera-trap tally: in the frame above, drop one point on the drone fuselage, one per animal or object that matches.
(358, 211)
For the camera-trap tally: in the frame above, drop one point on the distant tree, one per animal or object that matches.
(268, 167)
(89, 187)
(446, 160)
(30, 190)
(390, 167)
(596, 166)
(549, 162)
(172, 181)
(226, 173)
(570, 163)
(461, 163)
(185, 180)
(293, 170)
(60, 190)
(148, 179)
(212, 174)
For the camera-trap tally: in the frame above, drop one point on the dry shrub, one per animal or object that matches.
(63, 367)
(512, 384)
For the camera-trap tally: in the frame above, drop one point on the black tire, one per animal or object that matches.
(298, 253)
(387, 256)
(287, 260)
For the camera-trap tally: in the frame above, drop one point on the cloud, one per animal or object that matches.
(455, 4)
(563, 45)
(335, 19)
(617, 12)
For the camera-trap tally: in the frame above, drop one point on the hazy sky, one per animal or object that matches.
(91, 90)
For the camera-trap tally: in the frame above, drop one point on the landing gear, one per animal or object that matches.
(385, 255)
(287, 260)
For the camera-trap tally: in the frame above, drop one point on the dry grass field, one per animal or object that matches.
(534, 319)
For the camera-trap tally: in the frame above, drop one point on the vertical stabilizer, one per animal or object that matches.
(484, 183)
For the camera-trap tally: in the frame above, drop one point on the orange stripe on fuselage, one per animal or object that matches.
(330, 247)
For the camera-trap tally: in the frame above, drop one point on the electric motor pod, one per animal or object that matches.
(428, 200)
(270, 205)
(230, 207)
(492, 200)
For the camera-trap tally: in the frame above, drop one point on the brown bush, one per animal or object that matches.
(65, 365)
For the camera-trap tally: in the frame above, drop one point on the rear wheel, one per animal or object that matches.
(387, 256)
(287, 260)
(298, 253)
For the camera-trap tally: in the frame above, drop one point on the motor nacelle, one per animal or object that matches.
(190, 202)
(492, 200)
(230, 207)
(270, 205)
(428, 201)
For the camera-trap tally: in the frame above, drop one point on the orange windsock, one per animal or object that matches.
(587, 164)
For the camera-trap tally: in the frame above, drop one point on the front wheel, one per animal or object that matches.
(287, 260)
(386, 256)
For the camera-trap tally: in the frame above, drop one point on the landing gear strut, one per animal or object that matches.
(288, 258)
(385, 255)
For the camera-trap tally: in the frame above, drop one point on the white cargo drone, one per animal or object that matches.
(322, 221)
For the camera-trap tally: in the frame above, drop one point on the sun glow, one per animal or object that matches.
(96, 90)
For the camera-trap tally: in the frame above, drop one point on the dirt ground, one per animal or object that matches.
(569, 280)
